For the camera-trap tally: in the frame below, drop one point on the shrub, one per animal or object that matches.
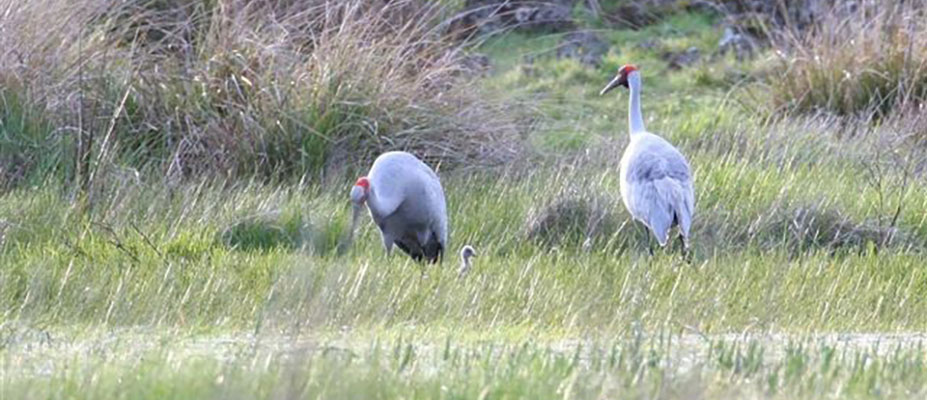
(230, 88)
(24, 133)
(866, 61)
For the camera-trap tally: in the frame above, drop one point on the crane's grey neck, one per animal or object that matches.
(465, 255)
(635, 119)
(464, 265)
(355, 218)
(373, 201)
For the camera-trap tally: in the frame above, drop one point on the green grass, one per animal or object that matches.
(166, 259)
(235, 288)
(662, 366)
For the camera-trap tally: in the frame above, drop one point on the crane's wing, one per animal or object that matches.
(661, 189)
(687, 207)
(398, 176)
(402, 180)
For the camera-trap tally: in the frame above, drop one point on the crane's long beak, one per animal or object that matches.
(355, 218)
(611, 85)
(348, 238)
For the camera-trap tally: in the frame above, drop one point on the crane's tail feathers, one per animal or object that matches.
(672, 206)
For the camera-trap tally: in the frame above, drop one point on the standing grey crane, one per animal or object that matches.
(656, 181)
(406, 200)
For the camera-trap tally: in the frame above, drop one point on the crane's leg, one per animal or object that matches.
(642, 228)
(684, 247)
(387, 244)
(649, 238)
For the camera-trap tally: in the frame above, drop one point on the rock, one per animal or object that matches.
(587, 47)
(482, 17)
(476, 64)
(477, 19)
(703, 7)
(677, 60)
(544, 17)
(649, 44)
(742, 44)
(795, 14)
(638, 14)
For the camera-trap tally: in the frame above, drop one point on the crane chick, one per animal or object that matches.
(656, 181)
(406, 201)
(466, 253)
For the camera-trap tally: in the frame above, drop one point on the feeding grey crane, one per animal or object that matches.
(656, 181)
(406, 201)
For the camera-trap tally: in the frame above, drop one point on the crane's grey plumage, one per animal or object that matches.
(656, 181)
(406, 201)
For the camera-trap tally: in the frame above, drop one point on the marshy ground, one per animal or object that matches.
(162, 278)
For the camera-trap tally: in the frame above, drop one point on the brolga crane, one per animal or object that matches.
(406, 201)
(656, 181)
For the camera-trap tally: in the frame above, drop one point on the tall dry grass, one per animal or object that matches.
(866, 60)
(274, 88)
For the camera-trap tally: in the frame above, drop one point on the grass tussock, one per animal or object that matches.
(813, 227)
(233, 88)
(265, 232)
(866, 61)
(578, 215)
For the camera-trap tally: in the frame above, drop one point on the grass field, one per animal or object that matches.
(808, 278)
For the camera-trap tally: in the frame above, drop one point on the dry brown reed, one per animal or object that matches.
(863, 61)
(229, 88)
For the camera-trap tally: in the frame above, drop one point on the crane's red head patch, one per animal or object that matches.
(627, 69)
(360, 190)
(621, 78)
